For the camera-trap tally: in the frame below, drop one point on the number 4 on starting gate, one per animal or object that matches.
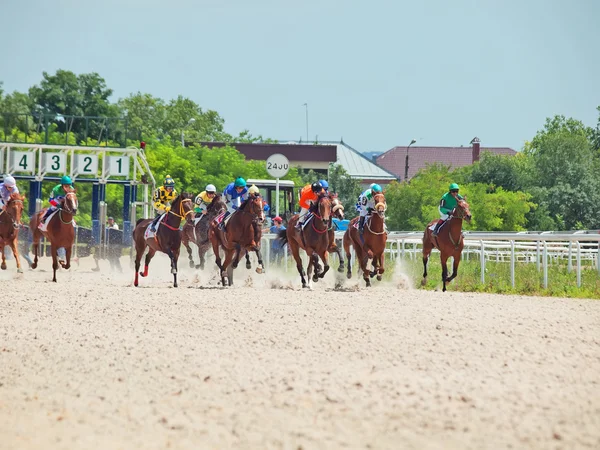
(23, 162)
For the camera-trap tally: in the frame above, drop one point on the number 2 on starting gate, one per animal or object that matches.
(87, 164)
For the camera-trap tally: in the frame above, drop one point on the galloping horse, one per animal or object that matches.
(314, 239)
(239, 236)
(372, 244)
(198, 234)
(10, 220)
(337, 211)
(449, 241)
(60, 232)
(167, 238)
(258, 225)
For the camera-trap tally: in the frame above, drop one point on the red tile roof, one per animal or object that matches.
(418, 157)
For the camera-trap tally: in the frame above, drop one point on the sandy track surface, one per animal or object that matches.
(91, 362)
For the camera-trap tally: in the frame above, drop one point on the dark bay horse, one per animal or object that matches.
(449, 242)
(313, 239)
(258, 225)
(10, 221)
(337, 211)
(198, 233)
(167, 238)
(372, 244)
(60, 232)
(238, 236)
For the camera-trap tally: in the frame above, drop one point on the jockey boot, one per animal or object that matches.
(361, 224)
(222, 224)
(153, 224)
(436, 230)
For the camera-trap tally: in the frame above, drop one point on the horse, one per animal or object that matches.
(60, 232)
(313, 238)
(371, 245)
(449, 241)
(337, 210)
(257, 224)
(167, 238)
(10, 221)
(238, 236)
(198, 233)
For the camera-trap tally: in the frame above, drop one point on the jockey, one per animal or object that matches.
(325, 185)
(203, 199)
(235, 193)
(8, 187)
(57, 196)
(366, 205)
(308, 197)
(162, 198)
(447, 204)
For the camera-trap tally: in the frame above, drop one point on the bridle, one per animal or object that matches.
(316, 214)
(15, 224)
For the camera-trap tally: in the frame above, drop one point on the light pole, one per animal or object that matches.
(406, 161)
(191, 121)
(306, 106)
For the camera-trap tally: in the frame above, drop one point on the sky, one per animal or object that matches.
(375, 73)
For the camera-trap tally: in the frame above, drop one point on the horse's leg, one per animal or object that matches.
(139, 251)
(427, 248)
(346, 242)
(186, 244)
(3, 265)
(325, 258)
(248, 264)
(334, 248)
(236, 259)
(455, 264)
(68, 258)
(36, 246)
(228, 258)
(296, 254)
(444, 260)
(363, 258)
(53, 252)
(311, 266)
(261, 266)
(149, 256)
(174, 255)
(381, 263)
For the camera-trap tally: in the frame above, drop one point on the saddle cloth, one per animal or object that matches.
(149, 234)
(44, 225)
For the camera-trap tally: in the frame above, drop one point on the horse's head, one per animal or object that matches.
(216, 206)
(183, 207)
(337, 209)
(254, 205)
(70, 203)
(380, 204)
(14, 208)
(324, 209)
(462, 210)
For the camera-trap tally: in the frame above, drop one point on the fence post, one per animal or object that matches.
(578, 263)
(570, 263)
(545, 264)
(482, 262)
(537, 256)
(512, 263)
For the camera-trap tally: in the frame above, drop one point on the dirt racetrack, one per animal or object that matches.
(93, 363)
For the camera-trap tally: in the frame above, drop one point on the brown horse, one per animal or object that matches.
(238, 236)
(371, 245)
(198, 233)
(258, 226)
(314, 239)
(337, 211)
(60, 232)
(167, 238)
(449, 241)
(10, 220)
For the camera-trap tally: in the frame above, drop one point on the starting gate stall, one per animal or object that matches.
(97, 165)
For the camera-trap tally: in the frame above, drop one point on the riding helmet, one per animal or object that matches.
(169, 182)
(316, 186)
(239, 182)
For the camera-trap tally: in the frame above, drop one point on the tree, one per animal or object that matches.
(347, 188)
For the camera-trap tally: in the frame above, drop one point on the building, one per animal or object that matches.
(317, 157)
(395, 161)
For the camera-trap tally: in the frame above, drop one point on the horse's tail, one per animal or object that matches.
(282, 236)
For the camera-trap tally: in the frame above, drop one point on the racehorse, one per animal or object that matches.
(60, 232)
(313, 238)
(167, 238)
(371, 245)
(257, 224)
(10, 220)
(238, 236)
(198, 233)
(337, 211)
(449, 241)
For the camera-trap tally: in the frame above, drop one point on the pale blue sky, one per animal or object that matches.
(377, 73)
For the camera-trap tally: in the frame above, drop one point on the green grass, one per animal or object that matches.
(528, 280)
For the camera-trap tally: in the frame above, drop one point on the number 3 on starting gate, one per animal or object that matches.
(55, 162)
(118, 166)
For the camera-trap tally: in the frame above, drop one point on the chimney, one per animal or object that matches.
(476, 150)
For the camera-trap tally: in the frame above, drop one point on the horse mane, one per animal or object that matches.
(16, 196)
(185, 195)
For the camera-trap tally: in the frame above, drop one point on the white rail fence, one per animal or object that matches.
(576, 250)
